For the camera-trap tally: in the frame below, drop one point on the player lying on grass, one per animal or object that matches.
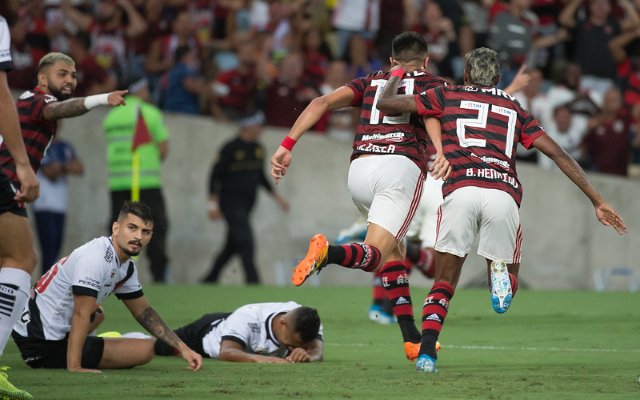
(53, 331)
(481, 127)
(277, 333)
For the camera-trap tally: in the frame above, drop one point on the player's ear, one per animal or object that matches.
(42, 79)
(115, 227)
(496, 79)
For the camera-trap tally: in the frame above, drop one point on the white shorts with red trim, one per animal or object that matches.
(423, 226)
(387, 190)
(491, 214)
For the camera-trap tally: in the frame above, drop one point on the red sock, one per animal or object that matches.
(514, 284)
(379, 294)
(355, 255)
(396, 283)
(434, 311)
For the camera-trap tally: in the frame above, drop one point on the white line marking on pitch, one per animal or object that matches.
(448, 346)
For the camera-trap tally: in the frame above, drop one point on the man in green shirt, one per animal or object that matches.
(119, 127)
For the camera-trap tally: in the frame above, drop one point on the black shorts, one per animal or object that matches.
(193, 334)
(7, 193)
(41, 353)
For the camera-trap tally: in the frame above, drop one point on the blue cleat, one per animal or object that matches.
(376, 314)
(426, 364)
(355, 233)
(500, 287)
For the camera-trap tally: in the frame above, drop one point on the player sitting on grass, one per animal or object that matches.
(277, 333)
(53, 330)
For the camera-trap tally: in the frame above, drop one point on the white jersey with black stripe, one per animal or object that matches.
(6, 63)
(250, 326)
(92, 270)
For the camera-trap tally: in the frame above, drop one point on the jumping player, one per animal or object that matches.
(53, 331)
(482, 127)
(386, 176)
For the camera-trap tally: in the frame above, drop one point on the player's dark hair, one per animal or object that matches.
(409, 46)
(307, 323)
(84, 39)
(181, 51)
(136, 208)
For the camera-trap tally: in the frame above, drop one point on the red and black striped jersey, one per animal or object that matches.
(481, 128)
(379, 133)
(37, 132)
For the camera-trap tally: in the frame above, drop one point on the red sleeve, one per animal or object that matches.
(430, 102)
(531, 130)
(358, 87)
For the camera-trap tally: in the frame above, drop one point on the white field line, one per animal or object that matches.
(448, 346)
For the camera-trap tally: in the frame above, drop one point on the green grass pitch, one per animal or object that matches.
(550, 344)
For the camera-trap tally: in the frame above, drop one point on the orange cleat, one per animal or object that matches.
(315, 260)
(412, 350)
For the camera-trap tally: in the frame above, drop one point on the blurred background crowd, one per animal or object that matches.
(231, 58)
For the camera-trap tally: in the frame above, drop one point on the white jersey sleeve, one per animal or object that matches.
(129, 287)
(88, 274)
(5, 46)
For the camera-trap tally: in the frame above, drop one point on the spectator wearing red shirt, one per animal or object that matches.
(38, 35)
(92, 78)
(287, 94)
(608, 143)
(235, 90)
(627, 65)
(24, 67)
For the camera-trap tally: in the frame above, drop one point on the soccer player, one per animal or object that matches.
(482, 126)
(53, 331)
(275, 333)
(386, 176)
(16, 251)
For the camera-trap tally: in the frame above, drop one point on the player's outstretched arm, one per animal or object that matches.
(233, 351)
(281, 160)
(149, 319)
(605, 213)
(391, 103)
(81, 105)
(83, 306)
(10, 129)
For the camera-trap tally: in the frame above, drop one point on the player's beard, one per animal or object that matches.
(57, 93)
(133, 253)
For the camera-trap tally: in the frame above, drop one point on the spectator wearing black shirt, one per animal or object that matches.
(236, 176)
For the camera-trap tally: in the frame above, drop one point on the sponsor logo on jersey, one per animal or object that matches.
(374, 148)
(254, 326)
(90, 282)
(389, 137)
(108, 257)
(492, 160)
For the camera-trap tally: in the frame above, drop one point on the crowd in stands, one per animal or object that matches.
(230, 58)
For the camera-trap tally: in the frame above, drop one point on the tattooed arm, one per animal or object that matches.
(605, 213)
(77, 106)
(149, 319)
(391, 103)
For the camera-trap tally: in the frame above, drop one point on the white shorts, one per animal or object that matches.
(423, 226)
(491, 213)
(387, 190)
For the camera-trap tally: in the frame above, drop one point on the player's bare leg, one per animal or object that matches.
(503, 283)
(436, 306)
(126, 353)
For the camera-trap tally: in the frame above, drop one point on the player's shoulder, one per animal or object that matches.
(97, 249)
(35, 95)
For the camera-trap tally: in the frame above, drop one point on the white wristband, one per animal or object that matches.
(96, 100)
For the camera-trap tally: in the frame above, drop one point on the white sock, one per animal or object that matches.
(15, 285)
(136, 335)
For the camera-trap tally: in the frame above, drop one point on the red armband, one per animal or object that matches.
(397, 72)
(288, 143)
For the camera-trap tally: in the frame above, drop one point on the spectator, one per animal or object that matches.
(109, 31)
(235, 178)
(287, 94)
(38, 35)
(316, 54)
(158, 25)
(568, 131)
(355, 17)
(568, 90)
(341, 123)
(185, 84)
(235, 90)
(50, 208)
(608, 143)
(161, 57)
(627, 65)
(119, 128)
(591, 36)
(92, 78)
(359, 58)
(531, 98)
(24, 66)
(514, 33)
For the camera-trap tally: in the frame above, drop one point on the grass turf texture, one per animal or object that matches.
(555, 344)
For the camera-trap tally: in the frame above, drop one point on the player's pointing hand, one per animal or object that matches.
(117, 98)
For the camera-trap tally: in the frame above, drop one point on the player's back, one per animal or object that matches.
(379, 133)
(481, 128)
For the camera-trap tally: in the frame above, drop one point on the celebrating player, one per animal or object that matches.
(482, 127)
(53, 331)
(386, 175)
(261, 333)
